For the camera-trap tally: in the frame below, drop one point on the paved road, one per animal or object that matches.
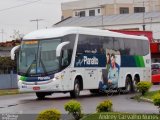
(27, 103)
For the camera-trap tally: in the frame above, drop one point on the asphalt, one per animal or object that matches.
(28, 103)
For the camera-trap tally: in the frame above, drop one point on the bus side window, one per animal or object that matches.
(65, 58)
(128, 46)
(116, 44)
(121, 46)
(107, 42)
(145, 47)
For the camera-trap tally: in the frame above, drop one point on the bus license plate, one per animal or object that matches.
(36, 88)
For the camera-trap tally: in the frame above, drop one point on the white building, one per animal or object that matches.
(108, 7)
(134, 21)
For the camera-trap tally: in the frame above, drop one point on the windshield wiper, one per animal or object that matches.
(43, 66)
(29, 69)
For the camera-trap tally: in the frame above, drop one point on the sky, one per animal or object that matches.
(16, 16)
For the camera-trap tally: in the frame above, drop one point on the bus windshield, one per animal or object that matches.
(38, 56)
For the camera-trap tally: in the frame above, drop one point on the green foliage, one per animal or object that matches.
(156, 100)
(50, 114)
(105, 106)
(74, 107)
(6, 64)
(144, 86)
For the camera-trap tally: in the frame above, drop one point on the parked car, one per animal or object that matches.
(155, 73)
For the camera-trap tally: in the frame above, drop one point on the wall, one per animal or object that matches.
(110, 6)
(67, 13)
(8, 81)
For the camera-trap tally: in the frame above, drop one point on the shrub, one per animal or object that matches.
(74, 107)
(50, 114)
(144, 86)
(105, 106)
(156, 100)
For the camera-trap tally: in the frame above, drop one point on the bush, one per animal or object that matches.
(144, 86)
(105, 106)
(74, 107)
(51, 114)
(156, 100)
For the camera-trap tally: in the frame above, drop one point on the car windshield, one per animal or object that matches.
(155, 69)
(38, 56)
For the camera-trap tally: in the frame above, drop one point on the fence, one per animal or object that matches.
(8, 81)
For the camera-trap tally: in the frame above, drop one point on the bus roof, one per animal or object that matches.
(61, 31)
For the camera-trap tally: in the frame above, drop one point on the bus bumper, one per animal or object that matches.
(39, 87)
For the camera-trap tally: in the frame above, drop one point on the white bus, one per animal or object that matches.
(72, 59)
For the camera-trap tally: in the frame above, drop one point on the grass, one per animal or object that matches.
(9, 92)
(149, 95)
(121, 116)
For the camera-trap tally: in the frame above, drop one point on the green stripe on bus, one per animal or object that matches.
(141, 61)
(23, 78)
(137, 61)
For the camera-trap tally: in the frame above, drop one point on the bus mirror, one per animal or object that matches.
(13, 51)
(59, 48)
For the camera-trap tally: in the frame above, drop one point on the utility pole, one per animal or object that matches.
(36, 20)
(2, 32)
(102, 16)
(143, 18)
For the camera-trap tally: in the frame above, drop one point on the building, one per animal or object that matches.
(82, 8)
(5, 47)
(136, 21)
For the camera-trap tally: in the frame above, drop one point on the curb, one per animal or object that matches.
(146, 100)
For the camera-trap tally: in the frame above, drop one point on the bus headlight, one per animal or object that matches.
(59, 77)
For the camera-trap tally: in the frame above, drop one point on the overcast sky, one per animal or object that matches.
(15, 15)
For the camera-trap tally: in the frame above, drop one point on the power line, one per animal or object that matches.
(5, 9)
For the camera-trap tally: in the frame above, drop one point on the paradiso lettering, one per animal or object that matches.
(44, 78)
(90, 61)
(87, 61)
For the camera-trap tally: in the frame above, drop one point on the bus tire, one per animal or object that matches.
(76, 91)
(40, 95)
(136, 81)
(128, 85)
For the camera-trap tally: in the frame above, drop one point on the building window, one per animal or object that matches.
(139, 9)
(99, 11)
(91, 12)
(82, 13)
(76, 13)
(62, 17)
(124, 10)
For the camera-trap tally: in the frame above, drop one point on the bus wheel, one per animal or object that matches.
(75, 93)
(40, 95)
(129, 85)
(136, 81)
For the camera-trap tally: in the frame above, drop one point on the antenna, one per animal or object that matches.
(2, 32)
(36, 20)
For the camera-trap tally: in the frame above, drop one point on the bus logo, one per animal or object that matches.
(90, 61)
(44, 78)
(87, 61)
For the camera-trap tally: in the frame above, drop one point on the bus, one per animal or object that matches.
(72, 59)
